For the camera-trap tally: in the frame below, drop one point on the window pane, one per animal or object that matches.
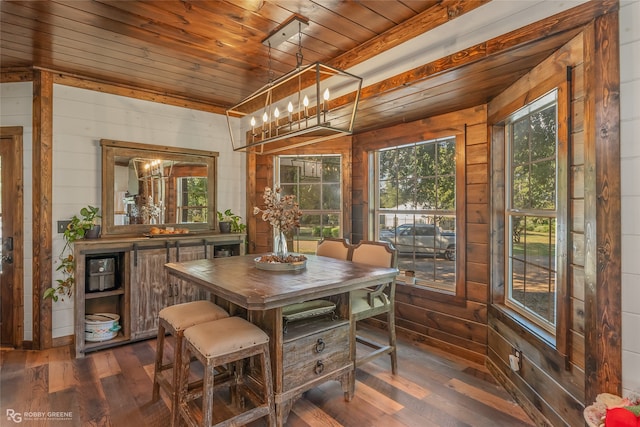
(388, 194)
(446, 193)
(331, 169)
(543, 185)
(316, 183)
(533, 265)
(309, 196)
(414, 206)
(331, 196)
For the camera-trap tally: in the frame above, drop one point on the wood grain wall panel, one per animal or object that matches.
(478, 292)
(577, 349)
(477, 154)
(477, 253)
(477, 173)
(577, 215)
(603, 240)
(577, 116)
(547, 361)
(478, 233)
(478, 213)
(476, 345)
(577, 317)
(577, 249)
(415, 296)
(577, 149)
(477, 193)
(576, 277)
(478, 272)
(577, 182)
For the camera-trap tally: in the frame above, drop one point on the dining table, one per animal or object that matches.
(312, 349)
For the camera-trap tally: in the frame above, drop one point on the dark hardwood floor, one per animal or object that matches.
(113, 388)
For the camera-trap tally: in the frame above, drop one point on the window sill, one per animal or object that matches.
(527, 328)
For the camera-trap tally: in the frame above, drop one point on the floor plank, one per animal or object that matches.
(113, 388)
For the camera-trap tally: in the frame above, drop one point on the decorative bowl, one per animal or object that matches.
(274, 263)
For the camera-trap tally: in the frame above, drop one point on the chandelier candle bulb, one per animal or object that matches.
(290, 110)
(276, 114)
(305, 102)
(265, 130)
(325, 96)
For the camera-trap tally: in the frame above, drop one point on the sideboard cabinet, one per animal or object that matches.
(137, 285)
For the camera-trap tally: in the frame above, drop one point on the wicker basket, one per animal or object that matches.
(101, 326)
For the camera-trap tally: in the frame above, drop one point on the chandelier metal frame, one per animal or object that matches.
(308, 105)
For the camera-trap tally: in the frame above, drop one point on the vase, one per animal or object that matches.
(280, 245)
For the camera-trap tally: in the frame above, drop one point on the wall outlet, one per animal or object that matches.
(514, 361)
(62, 225)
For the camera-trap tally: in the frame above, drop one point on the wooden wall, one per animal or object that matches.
(455, 323)
(551, 381)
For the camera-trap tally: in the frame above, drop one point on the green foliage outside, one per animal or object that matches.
(421, 176)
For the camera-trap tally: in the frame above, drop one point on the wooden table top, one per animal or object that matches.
(237, 279)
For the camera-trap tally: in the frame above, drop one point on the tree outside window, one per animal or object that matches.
(316, 183)
(192, 200)
(415, 208)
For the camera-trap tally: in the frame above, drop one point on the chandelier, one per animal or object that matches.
(308, 105)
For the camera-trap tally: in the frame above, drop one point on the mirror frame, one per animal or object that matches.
(112, 148)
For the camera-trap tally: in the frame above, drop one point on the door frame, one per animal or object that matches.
(14, 135)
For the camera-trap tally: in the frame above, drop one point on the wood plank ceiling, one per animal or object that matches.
(211, 52)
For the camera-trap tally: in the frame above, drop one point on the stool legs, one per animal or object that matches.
(158, 365)
(264, 405)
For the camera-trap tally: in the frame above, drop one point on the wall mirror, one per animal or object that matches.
(148, 188)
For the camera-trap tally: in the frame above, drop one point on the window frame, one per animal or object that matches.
(458, 288)
(499, 273)
(540, 104)
(277, 163)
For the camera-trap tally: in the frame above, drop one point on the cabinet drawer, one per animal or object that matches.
(315, 355)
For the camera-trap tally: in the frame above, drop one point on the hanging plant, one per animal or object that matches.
(77, 229)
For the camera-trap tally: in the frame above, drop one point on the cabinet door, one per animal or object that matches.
(150, 291)
(185, 291)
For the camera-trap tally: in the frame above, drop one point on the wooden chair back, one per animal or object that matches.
(334, 248)
(377, 254)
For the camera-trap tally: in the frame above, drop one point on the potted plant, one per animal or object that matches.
(230, 222)
(80, 227)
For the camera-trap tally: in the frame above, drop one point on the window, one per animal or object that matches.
(415, 208)
(192, 199)
(531, 211)
(316, 183)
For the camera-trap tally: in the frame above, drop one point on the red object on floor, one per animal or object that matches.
(621, 417)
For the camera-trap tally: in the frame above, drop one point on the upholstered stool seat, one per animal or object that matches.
(221, 342)
(174, 320)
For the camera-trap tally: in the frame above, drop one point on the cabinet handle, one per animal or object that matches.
(319, 368)
(175, 290)
(170, 290)
(135, 254)
(320, 345)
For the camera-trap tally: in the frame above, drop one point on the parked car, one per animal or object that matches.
(422, 239)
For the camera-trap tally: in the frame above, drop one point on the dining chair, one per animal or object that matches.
(375, 301)
(333, 248)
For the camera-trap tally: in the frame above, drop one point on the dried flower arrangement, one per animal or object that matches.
(283, 213)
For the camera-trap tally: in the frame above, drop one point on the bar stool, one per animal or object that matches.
(220, 342)
(175, 319)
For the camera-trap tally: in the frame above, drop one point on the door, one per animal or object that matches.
(150, 290)
(11, 281)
